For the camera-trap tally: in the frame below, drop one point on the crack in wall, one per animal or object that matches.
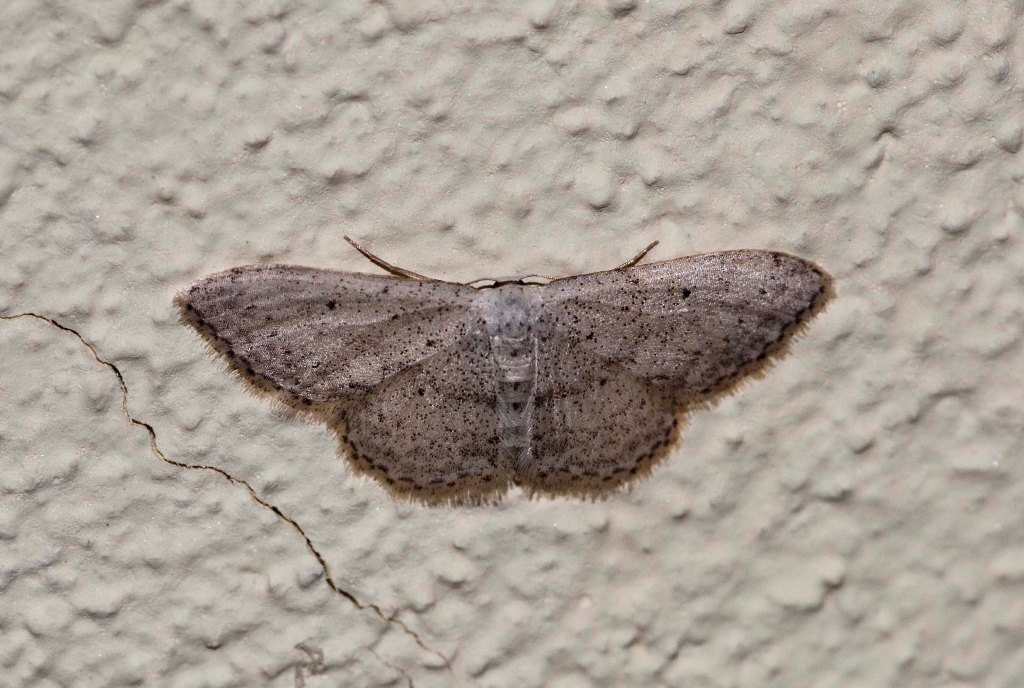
(397, 669)
(154, 447)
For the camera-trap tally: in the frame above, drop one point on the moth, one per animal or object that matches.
(447, 392)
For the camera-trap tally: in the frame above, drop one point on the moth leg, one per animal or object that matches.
(379, 262)
(637, 258)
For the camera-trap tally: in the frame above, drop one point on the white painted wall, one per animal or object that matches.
(854, 519)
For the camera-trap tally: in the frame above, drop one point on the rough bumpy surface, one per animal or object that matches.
(853, 519)
(447, 395)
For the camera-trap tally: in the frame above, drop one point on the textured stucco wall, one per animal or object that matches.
(854, 519)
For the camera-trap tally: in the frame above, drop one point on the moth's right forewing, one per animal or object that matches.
(320, 338)
(694, 325)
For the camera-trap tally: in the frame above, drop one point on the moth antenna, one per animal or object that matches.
(383, 264)
(638, 257)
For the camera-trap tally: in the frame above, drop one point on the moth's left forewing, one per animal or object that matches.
(318, 339)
